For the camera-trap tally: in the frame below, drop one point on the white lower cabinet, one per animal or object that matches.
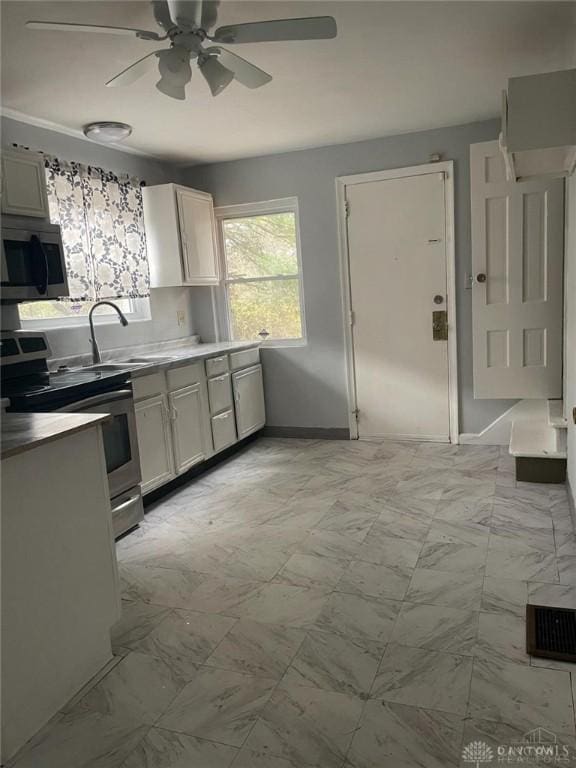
(223, 430)
(153, 427)
(182, 419)
(249, 400)
(187, 415)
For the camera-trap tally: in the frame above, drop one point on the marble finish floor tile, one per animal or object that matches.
(383, 581)
(565, 543)
(501, 637)
(380, 548)
(351, 517)
(459, 533)
(324, 543)
(335, 663)
(532, 565)
(307, 726)
(555, 595)
(282, 604)
(436, 627)
(160, 586)
(505, 737)
(448, 556)
(465, 511)
(140, 686)
(311, 571)
(83, 739)
(423, 678)
(454, 590)
(248, 758)
(166, 749)
(409, 524)
(138, 620)
(566, 569)
(518, 693)
(358, 616)
(504, 596)
(218, 705)
(404, 737)
(185, 639)
(263, 650)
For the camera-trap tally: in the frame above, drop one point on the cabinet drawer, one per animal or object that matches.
(184, 376)
(146, 386)
(216, 365)
(223, 430)
(220, 393)
(244, 358)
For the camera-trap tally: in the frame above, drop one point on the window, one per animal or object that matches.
(262, 271)
(101, 219)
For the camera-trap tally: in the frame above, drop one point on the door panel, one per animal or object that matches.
(517, 243)
(249, 400)
(153, 442)
(186, 412)
(397, 257)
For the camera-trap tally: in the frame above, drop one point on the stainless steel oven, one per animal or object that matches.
(32, 264)
(121, 451)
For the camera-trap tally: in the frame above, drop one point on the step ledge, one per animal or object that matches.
(556, 418)
(534, 440)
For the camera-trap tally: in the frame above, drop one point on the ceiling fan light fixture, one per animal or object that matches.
(107, 132)
(216, 75)
(170, 87)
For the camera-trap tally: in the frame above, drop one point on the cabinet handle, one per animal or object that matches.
(219, 378)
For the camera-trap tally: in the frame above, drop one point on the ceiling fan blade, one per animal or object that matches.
(186, 14)
(246, 73)
(134, 71)
(209, 13)
(162, 15)
(65, 26)
(312, 28)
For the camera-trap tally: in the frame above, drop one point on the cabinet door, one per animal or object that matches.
(198, 237)
(249, 400)
(152, 426)
(187, 412)
(23, 184)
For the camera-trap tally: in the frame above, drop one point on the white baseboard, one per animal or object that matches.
(498, 432)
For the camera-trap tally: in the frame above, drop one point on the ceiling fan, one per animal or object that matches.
(185, 24)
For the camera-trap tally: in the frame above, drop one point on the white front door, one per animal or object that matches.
(517, 260)
(398, 278)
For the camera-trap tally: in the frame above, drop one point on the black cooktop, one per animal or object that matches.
(49, 391)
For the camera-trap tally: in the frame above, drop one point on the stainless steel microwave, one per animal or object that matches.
(32, 266)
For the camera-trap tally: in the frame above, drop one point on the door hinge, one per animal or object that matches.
(356, 413)
(352, 317)
(346, 209)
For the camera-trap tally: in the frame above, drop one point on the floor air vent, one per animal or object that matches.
(551, 632)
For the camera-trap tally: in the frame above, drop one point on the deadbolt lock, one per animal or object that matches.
(440, 325)
(438, 299)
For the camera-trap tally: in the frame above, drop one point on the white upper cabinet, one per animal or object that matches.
(180, 236)
(539, 125)
(24, 184)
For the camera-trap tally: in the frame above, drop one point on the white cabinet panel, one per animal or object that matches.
(23, 184)
(198, 237)
(153, 429)
(244, 358)
(249, 400)
(220, 393)
(180, 236)
(188, 431)
(223, 430)
(216, 365)
(184, 376)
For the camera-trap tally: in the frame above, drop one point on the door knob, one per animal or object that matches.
(480, 277)
(438, 299)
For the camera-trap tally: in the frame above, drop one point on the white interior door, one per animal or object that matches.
(517, 260)
(397, 262)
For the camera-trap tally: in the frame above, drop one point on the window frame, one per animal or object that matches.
(139, 312)
(246, 210)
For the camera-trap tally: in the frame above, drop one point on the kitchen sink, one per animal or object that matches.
(123, 365)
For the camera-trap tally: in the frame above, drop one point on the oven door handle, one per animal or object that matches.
(108, 397)
(40, 265)
(125, 504)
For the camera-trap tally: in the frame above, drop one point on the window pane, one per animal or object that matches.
(271, 305)
(53, 310)
(261, 246)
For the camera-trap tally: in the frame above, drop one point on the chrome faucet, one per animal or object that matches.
(96, 358)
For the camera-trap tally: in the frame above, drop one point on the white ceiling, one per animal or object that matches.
(394, 67)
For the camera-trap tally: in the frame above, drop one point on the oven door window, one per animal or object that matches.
(116, 434)
(20, 267)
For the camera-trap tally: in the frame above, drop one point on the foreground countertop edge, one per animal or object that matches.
(24, 431)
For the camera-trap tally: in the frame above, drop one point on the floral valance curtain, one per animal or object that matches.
(102, 223)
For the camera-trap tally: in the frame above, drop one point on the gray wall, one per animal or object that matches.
(306, 386)
(164, 302)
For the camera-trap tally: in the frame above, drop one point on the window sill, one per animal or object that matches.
(284, 343)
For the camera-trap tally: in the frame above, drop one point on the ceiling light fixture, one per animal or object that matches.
(107, 132)
(216, 75)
